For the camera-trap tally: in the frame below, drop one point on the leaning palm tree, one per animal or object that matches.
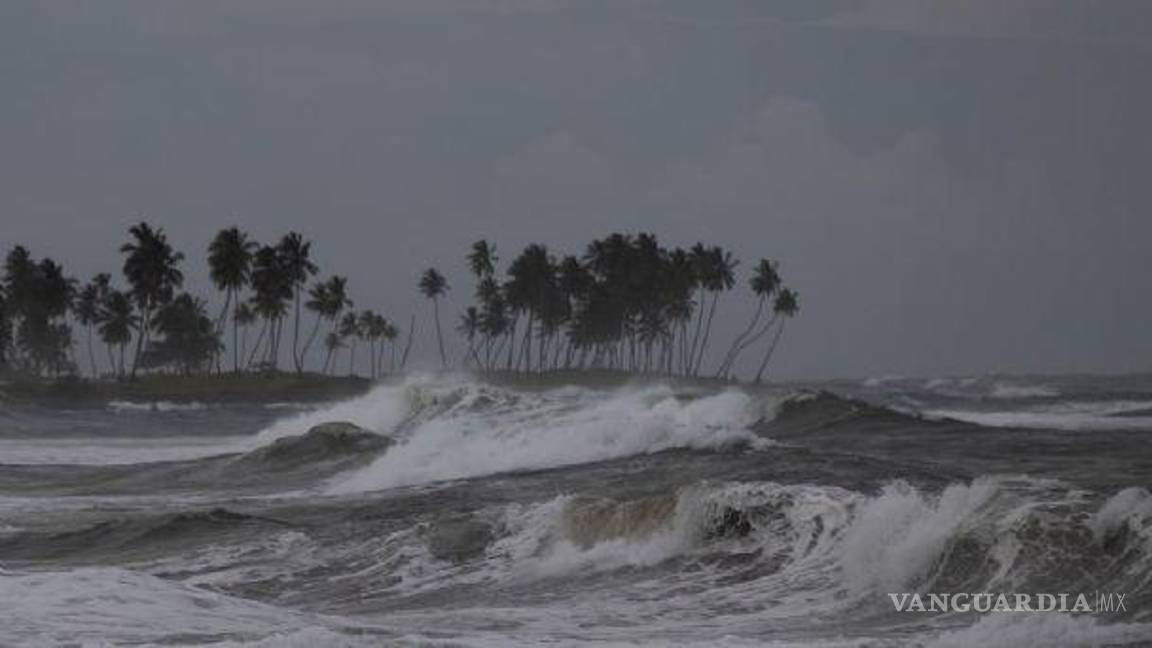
(150, 265)
(433, 286)
(230, 264)
(327, 299)
(482, 259)
(718, 277)
(470, 325)
(786, 306)
(297, 265)
(765, 282)
(332, 342)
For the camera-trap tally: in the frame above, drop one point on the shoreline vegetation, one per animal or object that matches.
(626, 305)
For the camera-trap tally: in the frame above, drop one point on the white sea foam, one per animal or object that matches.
(155, 406)
(114, 450)
(897, 536)
(1086, 416)
(464, 430)
(1031, 630)
(121, 606)
(1009, 391)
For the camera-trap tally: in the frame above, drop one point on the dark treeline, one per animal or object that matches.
(626, 304)
(151, 325)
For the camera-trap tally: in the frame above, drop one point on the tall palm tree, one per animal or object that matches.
(433, 286)
(482, 259)
(243, 316)
(87, 311)
(470, 325)
(297, 265)
(332, 342)
(150, 266)
(350, 330)
(765, 281)
(327, 299)
(118, 320)
(786, 306)
(273, 290)
(718, 276)
(230, 263)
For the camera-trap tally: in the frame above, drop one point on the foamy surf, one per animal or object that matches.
(462, 429)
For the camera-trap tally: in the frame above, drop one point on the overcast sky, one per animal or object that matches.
(952, 187)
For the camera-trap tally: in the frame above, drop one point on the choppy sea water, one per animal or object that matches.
(651, 514)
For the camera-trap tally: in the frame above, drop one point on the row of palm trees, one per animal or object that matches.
(626, 303)
(152, 325)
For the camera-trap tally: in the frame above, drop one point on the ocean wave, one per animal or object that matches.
(464, 429)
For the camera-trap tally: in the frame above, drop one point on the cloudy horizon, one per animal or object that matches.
(951, 190)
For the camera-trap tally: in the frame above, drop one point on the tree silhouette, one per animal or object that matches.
(189, 339)
(230, 265)
(764, 282)
(786, 306)
(273, 289)
(118, 321)
(150, 266)
(327, 299)
(433, 286)
(297, 265)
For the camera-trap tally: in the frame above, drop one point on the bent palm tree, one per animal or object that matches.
(786, 306)
(765, 282)
(433, 286)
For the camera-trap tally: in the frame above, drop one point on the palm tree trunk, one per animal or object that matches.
(259, 341)
(734, 351)
(408, 344)
(768, 355)
(439, 334)
(707, 333)
(142, 333)
(91, 353)
(297, 358)
(311, 338)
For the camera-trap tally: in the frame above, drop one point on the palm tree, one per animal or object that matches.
(786, 306)
(150, 265)
(433, 286)
(469, 326)
(87, 310)
(332, 342)
(765, 282)
(243, 316)
(273, 289)
(230, 262)
(294, 252)
(718, 275)
(327, 299)
(482, 259)
(118, 320)
(350, 329)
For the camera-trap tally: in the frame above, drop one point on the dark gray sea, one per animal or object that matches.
(477, 514)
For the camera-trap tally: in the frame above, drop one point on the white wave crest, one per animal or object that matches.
(460, 429)
(897, 536)
(155, 406)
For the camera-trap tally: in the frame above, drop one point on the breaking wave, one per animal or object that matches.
(455, 429)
